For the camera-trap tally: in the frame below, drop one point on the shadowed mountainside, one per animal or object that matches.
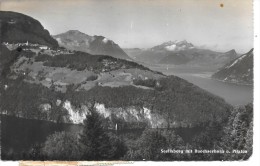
(19, 28)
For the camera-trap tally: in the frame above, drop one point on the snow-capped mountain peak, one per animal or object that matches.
(174, 46)
(171, 47)
(105, 40)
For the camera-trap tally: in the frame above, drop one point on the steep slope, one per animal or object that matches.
(96, 45)
(239, 70)
(19, 28)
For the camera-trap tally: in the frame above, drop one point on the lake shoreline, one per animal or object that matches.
(230, 82)
(232, 92)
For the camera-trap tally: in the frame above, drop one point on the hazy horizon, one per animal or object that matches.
(147, 23)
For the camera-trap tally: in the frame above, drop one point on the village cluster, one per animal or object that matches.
(37, 48)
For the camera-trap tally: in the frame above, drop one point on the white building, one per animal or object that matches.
(43, 47)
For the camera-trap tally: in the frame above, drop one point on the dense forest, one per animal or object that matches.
(81, 61)
(92, 142)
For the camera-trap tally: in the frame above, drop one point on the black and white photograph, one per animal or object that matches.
(126, 80)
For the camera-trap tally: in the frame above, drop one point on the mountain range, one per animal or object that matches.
(181, 53)
(96, 45)
(240, 70)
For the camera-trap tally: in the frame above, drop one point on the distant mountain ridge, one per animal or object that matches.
(199, 56)
(239, 70)
(174, 46)
(181, 52)
(19, 28)
(96, 45)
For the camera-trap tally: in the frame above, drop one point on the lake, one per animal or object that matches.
(19, 135)
(233, 94)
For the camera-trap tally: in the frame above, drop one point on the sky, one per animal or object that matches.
(220, 25)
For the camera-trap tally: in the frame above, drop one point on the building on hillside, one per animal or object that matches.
(43, 47)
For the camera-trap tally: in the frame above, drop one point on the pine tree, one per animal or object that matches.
(94, 138)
